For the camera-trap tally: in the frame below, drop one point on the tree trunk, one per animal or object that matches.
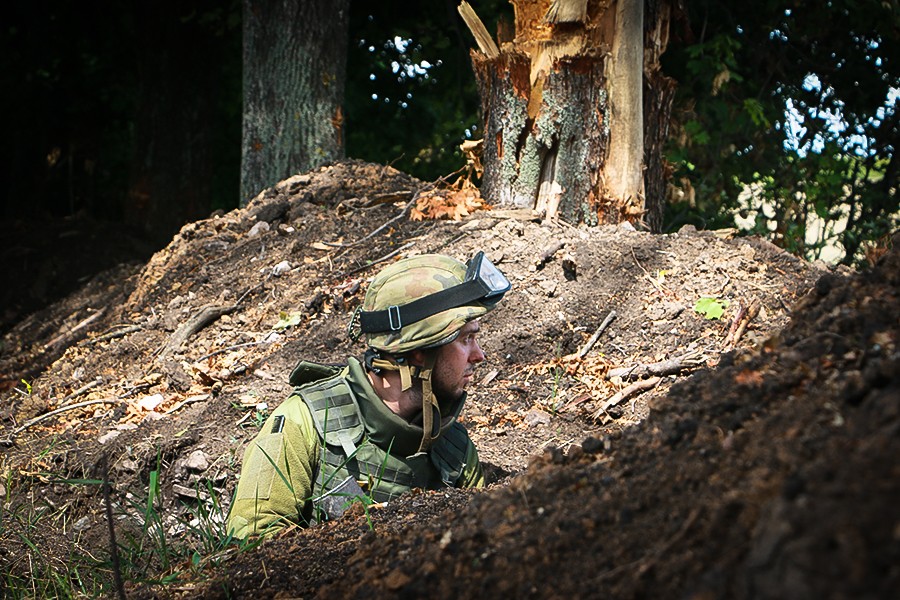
(295, 57)
(565, 112)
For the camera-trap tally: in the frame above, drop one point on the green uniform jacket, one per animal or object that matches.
(281, 465)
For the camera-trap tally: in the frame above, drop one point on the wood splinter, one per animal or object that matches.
(626, 393)
(741, 320)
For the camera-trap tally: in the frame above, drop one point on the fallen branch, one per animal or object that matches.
(403, 213)
(115, 334)
(548, 254)
(387, 256)
(203, 317)
(672, 366)
(84, 323)
(53, 413)
(590, 343)
(626, 393)
(80, 391)
(741, 321)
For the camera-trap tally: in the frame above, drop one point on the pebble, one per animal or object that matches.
(108, 436)
(197, 461)
(257, 229)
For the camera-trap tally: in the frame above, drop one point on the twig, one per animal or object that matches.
(665, 367)
(384, 226)
(739, 326)
(419, 191)
(203, 317)
(590, 343)
(548, 254)
(229, 348)
(80, 391)
(63, 409)
(388, 256)
(103, 467)
(84, 323)
(647, 275)
(624, 394)
(186, 401)
(115, 334)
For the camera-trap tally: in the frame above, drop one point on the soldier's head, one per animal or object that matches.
(424, 310)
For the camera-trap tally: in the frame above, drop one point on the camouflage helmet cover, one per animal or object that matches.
(410, 279)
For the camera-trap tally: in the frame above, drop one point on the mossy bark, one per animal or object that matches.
(295, 59)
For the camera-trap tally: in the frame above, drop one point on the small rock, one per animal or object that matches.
(281, 268)
(82, 524)
(184, 491)
(109, 436)
(536, 417)
(129, 465)
(197, 461)
(548, 286)
(150, 403)
(257, 229)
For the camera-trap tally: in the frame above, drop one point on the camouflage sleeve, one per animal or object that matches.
(472, 475)
(276, 475)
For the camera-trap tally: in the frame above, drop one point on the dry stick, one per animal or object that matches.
(103, 467)
(228, 349)
(115, 334)
(80, 391)
(748, 316)
(665, 367)
(84, 323)
(590, 343)
(402, 214)
(52, 413)
(382, 259)
(384, 226)
(626, 393)
(206, 315)
(647, 275)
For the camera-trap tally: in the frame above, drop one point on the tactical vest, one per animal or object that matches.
(348, 457)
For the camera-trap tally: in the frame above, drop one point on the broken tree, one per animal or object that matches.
(576, 109)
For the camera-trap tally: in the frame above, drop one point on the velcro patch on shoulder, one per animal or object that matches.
(259, 474)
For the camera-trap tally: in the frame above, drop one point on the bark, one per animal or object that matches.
(295, 58)
(565, 113)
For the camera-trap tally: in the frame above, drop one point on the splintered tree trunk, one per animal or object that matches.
(295, 61)
(564, 109)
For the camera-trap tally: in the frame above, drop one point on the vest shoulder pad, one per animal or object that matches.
(308, 372)
(335, 413)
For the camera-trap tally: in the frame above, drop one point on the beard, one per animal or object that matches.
(448, 399)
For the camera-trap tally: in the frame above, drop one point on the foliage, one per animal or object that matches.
(786, 117)
(411, 95)
(710, 308)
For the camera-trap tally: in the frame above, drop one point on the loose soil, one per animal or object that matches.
(760, 465)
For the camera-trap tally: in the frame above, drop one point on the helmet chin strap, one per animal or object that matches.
(429, 401)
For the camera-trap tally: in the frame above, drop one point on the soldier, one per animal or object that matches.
(371, 430)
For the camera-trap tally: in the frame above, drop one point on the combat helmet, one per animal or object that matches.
(422, 302)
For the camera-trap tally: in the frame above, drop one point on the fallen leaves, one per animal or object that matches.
(455, 202)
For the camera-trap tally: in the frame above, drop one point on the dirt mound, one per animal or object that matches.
(715, 486)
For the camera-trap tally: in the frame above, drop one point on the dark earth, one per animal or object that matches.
(754, 457)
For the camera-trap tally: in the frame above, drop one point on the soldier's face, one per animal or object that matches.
(455, 363)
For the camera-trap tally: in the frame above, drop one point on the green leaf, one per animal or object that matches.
(710, 308)
(286, 320)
